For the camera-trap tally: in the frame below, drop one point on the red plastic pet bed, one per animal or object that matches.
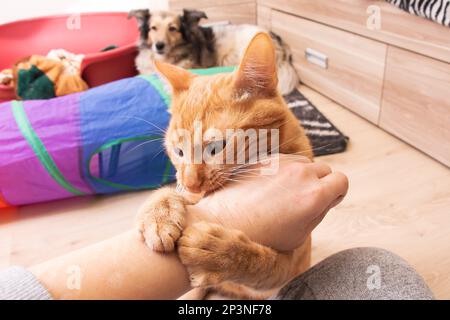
(86, 34)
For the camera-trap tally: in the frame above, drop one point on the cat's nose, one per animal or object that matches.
(194, 187)
(193, 178)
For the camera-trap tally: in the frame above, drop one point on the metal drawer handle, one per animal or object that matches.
(317, 58)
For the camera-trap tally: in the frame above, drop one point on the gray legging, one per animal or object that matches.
(361, 273)
(358, 274)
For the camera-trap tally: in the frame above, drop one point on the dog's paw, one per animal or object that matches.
(213, 254)
(161, 220)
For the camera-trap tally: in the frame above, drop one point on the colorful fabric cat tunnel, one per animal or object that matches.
(98, 141)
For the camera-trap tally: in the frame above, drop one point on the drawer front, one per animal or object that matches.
(395, 27)
(355, 65)
(416, 102)
(236, 12)
(264, 17)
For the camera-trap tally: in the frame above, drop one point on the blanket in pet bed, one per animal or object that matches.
(436, 10)
(45, 77)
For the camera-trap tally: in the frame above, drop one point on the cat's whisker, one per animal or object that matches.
(158, 153)
(249, 169)
(298, 155)
(247, 174)
(244, 177)
(179, 188)
(163, 175)
(313, 149)
(141, 144)
(306, 150)
(220, 183)
(235, 180)
(285, 156)
(251, 156)
(148, 122)
(246, 169)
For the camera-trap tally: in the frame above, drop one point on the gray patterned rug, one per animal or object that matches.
(324, 136)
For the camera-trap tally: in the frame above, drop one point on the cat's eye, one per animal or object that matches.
(178, 152)
(172, 29)
(154, 28)
(215, 147)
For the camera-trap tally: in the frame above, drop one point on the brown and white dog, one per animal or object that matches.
(181, 40)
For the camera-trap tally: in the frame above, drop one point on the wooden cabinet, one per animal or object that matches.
(416, 102)
(352, 69)
(234, 11)
(395, 27)
(264, 17)
(397, 76)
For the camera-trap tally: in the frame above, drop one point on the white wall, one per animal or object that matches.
(18, 9)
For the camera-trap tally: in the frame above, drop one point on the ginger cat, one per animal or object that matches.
(229, 261)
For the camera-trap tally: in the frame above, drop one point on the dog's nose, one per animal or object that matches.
(160, 45)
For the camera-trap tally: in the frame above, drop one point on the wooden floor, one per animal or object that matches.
(399, 199)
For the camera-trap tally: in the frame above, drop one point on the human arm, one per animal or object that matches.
(278, 214)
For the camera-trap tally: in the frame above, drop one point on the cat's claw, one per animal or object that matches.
(161, 237)
(161, 220)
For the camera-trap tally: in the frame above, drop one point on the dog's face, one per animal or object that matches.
(160, 30)
(164, 32)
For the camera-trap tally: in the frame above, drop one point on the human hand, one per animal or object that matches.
(278, 210)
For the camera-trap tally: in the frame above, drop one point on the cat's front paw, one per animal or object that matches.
(213, 254)
(161, 220)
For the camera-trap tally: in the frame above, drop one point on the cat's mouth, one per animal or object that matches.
(194, 197)
(214, 182)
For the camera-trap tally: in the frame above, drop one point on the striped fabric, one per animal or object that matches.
(436, 10)
(324, 136)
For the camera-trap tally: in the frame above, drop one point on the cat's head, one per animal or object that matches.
(207, 109)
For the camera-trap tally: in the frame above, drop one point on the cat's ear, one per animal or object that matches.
(179, 78)
(257, 72)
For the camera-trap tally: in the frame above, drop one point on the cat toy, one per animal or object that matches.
(104, 140)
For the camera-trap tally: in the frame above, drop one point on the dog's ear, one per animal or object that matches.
(180, 79)
(142, 16)
(193, 16)
(257, 72)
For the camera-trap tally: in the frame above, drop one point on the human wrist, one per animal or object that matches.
(196, 213)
